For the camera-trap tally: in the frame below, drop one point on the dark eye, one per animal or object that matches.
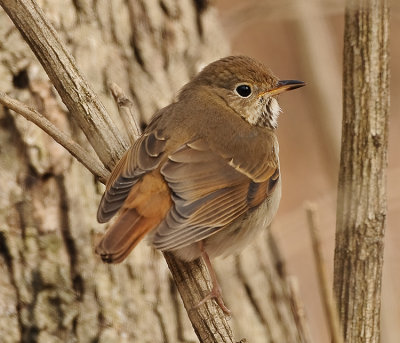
(243, 90)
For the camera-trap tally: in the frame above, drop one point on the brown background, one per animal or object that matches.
(304, 40)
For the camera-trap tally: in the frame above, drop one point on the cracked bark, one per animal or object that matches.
(361, 210)
(54, 288)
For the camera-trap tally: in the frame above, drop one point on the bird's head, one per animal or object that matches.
(247, 87)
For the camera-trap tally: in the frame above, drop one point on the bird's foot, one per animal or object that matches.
(216, 292)
(217, 295)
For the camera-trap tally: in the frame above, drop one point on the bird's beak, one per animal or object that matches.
(283, 86)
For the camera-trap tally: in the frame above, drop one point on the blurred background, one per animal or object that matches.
(304, 40)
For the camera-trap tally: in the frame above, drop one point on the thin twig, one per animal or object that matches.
(94, 165)
(298, 309)
(326, 293)
(126, 111)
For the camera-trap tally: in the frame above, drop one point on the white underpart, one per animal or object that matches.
(271, 113)
(275, 112)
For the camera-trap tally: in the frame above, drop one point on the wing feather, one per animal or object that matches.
(209, 191)
(144, 156)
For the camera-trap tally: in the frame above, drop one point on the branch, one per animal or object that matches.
(325, 289)
(298, 309)
(91, 163)
(125, 108)
(361, 203)
(81, 101)
(192, 281)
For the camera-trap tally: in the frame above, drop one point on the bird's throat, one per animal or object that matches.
(267, 114)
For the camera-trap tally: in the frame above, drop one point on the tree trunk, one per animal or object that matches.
(53, 288)
(361, 213)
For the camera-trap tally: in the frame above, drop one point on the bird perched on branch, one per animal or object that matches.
(204, 178)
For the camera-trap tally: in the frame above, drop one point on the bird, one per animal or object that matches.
(204, 178)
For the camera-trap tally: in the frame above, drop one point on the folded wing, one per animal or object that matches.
(143, 157)
(209, 192)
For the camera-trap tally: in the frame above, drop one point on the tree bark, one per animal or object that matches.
(54, 288)
(361, 212)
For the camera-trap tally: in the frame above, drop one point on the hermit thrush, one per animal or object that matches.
(204, 177)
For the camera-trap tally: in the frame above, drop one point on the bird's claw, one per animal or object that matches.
(217, 295)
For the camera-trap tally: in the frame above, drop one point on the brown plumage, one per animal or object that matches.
(148, 201)
(204, 177)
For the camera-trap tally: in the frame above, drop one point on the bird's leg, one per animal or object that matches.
(216, 292)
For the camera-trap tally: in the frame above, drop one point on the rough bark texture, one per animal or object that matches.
(361, 213)
(53, 288)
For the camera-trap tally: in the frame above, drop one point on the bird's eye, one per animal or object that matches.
(243, 90)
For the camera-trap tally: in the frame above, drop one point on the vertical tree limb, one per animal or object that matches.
(361, 212)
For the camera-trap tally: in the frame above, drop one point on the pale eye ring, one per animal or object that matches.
(243, 90)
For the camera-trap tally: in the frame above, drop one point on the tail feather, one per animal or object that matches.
(145, 207)
(123, 236)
